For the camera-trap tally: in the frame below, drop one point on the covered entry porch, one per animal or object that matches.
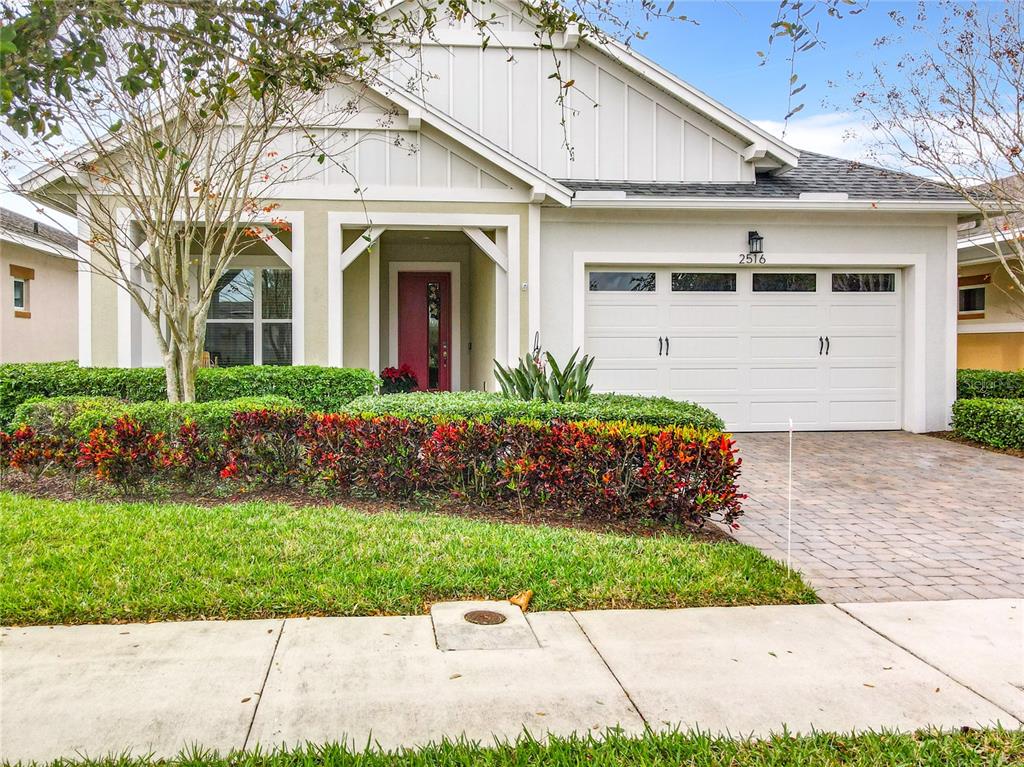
(440, 295)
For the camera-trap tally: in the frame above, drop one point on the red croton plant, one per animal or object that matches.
(589, 468)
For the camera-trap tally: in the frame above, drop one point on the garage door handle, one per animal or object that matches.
(827, 345)
(659, 345)
(821, 345)
(666, 346)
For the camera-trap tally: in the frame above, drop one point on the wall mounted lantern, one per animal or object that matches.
(755, 243)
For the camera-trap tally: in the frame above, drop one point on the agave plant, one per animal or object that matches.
(532, 379)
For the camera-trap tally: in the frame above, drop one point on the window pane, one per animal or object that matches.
(704, 281)
(277, 343)
(972, 299)
(634, 281)
(233, 296)
(766, 282)
(852, 282)
(19, 294)
(277, 294)
(433, 334)
(229, 343)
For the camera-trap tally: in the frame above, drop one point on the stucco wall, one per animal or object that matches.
(51, 332)
(809, 238)
(992, 351)
(1003, 303)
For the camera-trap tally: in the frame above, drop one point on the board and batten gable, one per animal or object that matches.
(612, 124)
(373, 153)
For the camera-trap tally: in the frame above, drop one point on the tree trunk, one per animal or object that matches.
(171, 374)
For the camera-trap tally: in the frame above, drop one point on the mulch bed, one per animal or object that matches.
(951, 436)
(63, 488)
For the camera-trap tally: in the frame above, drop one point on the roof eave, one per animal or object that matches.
(749, 203)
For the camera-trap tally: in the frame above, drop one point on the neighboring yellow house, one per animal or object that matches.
(990, 317)
(39, 307)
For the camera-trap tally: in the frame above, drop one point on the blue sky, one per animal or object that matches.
(719, 56)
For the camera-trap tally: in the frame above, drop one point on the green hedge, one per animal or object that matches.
(314, 388)
(989, 384)
(657, 411)
(77, 416)
(995, 422)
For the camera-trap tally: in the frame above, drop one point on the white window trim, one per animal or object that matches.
(257, 320)
(24, 294)
(968, 314)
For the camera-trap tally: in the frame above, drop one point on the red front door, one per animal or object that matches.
(425, 327)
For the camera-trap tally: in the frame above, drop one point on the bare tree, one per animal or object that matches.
(171, 185)
(953, 111)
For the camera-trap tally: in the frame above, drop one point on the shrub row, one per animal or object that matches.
(989, 384)
(653, 411)
(315, 388)
(76, 417)
(995, 422)
(681, 473)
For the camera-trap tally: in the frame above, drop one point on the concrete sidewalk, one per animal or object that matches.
(95, 690)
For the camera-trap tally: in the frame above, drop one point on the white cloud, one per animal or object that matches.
(839, 134)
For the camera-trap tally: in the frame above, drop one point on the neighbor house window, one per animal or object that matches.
(972, 302)
(643, 282)
(250, 319)
(21, 277)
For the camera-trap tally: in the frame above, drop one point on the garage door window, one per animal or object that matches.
(780, 282)
(643, 282)
(850, 282)
(704, 282)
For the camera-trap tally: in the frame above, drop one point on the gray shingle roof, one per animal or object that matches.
(816, 173)
(16, 223)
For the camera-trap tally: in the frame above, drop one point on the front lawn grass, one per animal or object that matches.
(981, 748)
(92, 562)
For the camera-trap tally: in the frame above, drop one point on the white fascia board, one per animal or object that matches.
(476, 142)
(739, 203)
(39, 244)
(701, 102)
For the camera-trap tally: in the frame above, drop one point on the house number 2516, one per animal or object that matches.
(752, 258)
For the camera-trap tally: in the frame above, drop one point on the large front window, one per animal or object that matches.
(250, 319)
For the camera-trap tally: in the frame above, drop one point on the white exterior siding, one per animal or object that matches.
(509, 97)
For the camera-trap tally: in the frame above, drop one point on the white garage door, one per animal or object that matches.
(759, 347)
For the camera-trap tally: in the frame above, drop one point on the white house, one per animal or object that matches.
(692, 253)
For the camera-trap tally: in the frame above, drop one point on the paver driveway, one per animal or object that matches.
(881, 516)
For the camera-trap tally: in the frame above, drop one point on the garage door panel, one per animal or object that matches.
(781, 347)
(806, 414)
(624, 347)
(703, 348)
(615, 317)
(732, 412)
(864, 316)
(863, 377)
(863, 413)
(700, 316)
(807, 379)
(863, 347)
(629, 379)
(704, 380)
(779, 315)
